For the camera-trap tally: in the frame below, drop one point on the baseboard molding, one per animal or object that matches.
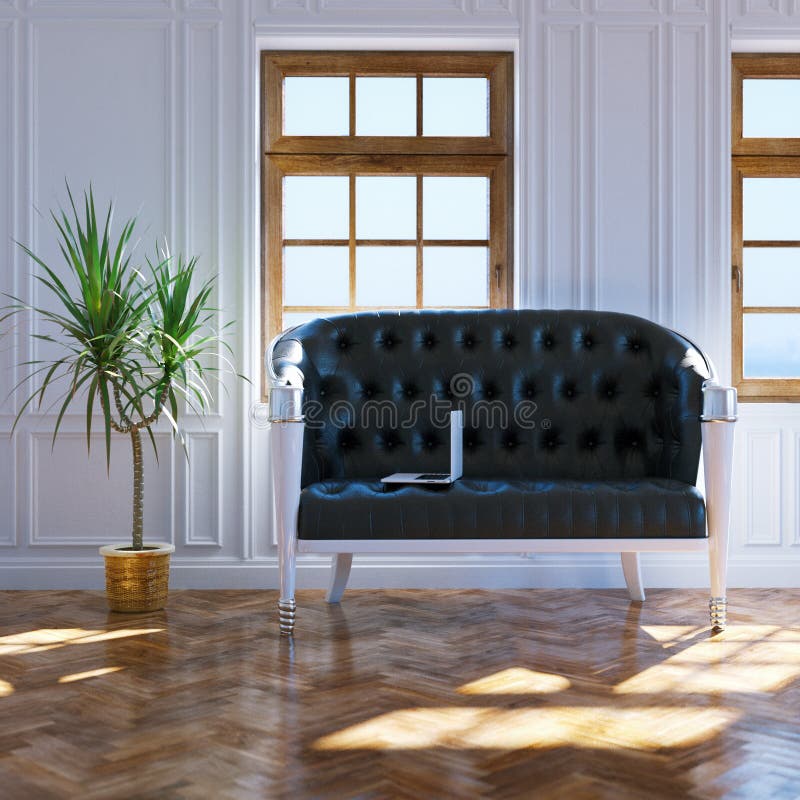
(466, 572)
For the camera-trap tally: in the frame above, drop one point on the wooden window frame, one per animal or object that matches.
(757, 157)
(490, 156)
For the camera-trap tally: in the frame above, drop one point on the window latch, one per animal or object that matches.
(736, 275)
(498, 271)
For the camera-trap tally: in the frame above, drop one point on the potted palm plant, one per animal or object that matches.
(135, 344)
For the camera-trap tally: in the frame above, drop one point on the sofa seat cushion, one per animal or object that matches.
(502, 509)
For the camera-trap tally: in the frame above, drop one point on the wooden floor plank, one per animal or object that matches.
(400, 694)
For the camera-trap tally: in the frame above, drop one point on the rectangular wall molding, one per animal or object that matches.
(203, 509)
(626, 158)
(763, 502)
(9, 189)
(72, 505)
(8, 491)
(46, 136)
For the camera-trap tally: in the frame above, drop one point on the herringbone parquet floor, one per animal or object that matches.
(400, 694)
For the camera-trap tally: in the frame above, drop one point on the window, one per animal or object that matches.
(766, 226)
(386, 182)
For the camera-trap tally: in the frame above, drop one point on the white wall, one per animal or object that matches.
(623, 171)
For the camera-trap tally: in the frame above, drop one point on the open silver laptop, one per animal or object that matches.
(456, 458)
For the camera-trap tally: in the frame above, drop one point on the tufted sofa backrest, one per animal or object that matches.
(588, 395)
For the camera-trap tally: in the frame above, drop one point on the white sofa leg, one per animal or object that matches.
(633, 576)
(340, 572)
(719, 416)
(286, 447)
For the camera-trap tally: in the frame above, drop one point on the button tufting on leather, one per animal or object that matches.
(390, 440)
(589, 439)
(550, 440)
(631, 413)
(348, 440)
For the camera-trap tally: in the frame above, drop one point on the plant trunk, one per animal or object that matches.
(138, 489)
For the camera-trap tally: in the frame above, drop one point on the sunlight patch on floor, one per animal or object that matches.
(92, 673)
(515, 729)
(667, 634)
(5, 688)
(43, 639)
(745, 658)
(517, 680)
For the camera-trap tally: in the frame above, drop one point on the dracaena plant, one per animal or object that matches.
(134, 342)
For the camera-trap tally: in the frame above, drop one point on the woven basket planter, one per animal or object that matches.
(137, 580)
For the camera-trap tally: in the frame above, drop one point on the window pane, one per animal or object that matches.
(771, 108)
(386, 276)
(386, 207)
(455, 107)
(316, 276)
(386, 106)
(455, 208)
(772, 276)
(770, 208)
(455, 276)
(316, 207)
(316, 106)
(772, 345)
(291, 318)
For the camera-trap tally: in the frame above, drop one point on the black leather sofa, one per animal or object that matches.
(583, 433)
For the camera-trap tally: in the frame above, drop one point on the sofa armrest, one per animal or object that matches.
(285, 379)
(719, 403)
(286, 453)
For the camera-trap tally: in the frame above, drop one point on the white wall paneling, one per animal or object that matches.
(627, 199)
(8, 491)
(372, 18)
(629, 6)
(87, 127)
(74, 500)
(9, 80)
(622, 185)
(203, 493)
(563, 167)
(763, 500)
(201, 167)
(793, 499)
(688, 248)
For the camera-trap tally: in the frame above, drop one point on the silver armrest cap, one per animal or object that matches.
(719, 403)
(286, 404)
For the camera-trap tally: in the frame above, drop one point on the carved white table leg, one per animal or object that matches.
(633, 576)
(340, 572)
